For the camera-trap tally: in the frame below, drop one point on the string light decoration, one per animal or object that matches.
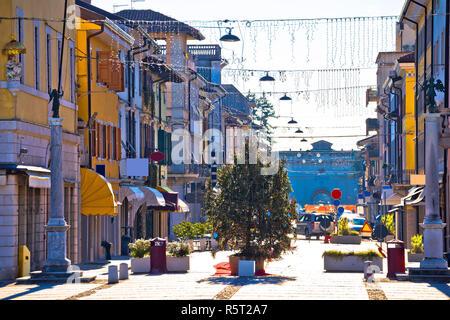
(348, 45)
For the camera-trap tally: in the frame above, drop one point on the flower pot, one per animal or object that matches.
(415, 257)
(234, 265)
(140, 265)
(178, 264)
(345, 239)
(349, 263)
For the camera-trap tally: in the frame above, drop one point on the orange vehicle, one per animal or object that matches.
(323, 208)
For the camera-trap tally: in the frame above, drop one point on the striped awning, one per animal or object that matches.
(153, 197)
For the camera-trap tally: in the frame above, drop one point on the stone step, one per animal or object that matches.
(40, 274)
(423, 278)
(40, 280)
(422, 271)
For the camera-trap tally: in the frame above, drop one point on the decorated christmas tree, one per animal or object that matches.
(250, 212)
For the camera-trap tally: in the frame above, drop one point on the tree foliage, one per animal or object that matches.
(263, 111)
(251, 212)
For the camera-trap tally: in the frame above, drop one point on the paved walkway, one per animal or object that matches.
(299, 276)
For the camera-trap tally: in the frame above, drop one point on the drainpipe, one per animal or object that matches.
(88, 45)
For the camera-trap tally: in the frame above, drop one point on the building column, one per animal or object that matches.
(432, 224)
(57, 226)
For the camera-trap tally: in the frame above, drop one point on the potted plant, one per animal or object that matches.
(344, 235)
(140, 256)
(251, 212)
(177, 257)
(335, 260)
(416, 253)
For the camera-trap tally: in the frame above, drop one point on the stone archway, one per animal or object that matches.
(326, 195)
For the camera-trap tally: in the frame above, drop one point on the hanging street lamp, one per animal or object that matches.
(267, 78)
(285, 98)
(292, 121)
(229, 37)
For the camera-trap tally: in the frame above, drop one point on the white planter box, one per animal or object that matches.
(346, 239)
(349, 263)
(177, 264)
(140, 265)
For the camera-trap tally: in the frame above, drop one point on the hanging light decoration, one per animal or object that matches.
(299, 131)
(230, 37)
(304, 140)
(292, 121)
(267, 78)
(285, 98)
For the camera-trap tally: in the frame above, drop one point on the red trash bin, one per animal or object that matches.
(158, 255)
(395, 257)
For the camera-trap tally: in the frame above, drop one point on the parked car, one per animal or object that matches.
(315, 224)
(356, 223)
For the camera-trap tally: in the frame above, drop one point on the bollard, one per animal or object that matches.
(123, 271)
(366, 266)
(113, 276)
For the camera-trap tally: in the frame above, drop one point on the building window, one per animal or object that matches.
(130, 134)
(49, 59)
(37, 57)
(59, 46)
(20, 38)
(72, 71)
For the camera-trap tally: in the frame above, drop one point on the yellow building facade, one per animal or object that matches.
(25, 81)
(100, 76)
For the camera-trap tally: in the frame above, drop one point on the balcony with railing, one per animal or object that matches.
(399, 178)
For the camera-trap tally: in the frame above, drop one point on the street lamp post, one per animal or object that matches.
(432, 224)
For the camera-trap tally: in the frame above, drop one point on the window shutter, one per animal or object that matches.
(96, 139)
(104, 144)
(161, 144)
(114, 143)
(117, 82)
(108, 142)
(92, 139)
(104, 67)
(118, 144)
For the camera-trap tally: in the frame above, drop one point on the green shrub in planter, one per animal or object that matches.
(178, 249)
(417, 243)
(140, 248)
(363, 255)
